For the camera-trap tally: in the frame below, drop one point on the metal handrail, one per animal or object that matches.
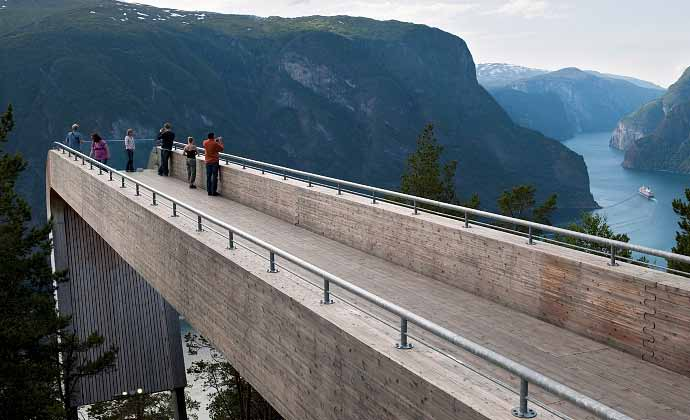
(611, 243)
(526, 374)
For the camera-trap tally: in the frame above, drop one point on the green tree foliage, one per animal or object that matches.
(70, 355)
(157, 406)
(597, 225)
(31, 373)
(231, 396)
(520, 203)
(682, 209)
(426, 177)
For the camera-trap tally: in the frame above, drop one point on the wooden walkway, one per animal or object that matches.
(638, 388)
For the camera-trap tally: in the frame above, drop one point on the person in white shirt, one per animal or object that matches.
(129, 148)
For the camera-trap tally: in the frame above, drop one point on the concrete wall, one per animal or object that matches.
(308, 360)
(105, 295)
(641, 311)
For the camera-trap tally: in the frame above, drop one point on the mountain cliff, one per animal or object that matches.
(588, 102)
(657, 136)
(339, 95)
(495, 75)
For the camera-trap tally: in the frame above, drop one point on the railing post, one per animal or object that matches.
(137, 190)
(284, 176)
(613, 262)
(414, 203)
(174, 209)
(90, 165)
(403, 344)
(153, 197)
(231, 240)
(523, 411)
(309, 178)
(467, 220)
(227, 162)
(326, 292)
(244, 166)
(199, 225)
(123, 182)
(373, 197)
(111, 175)
(82, 161)
(272, 263)
(100, 171)
(340, 191)
(529, 236)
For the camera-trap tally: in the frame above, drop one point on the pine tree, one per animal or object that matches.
(426, 177)
(231, 396)
(520, 203)
(682, 208)
(31, 373)
(596, 225)
(156, 406)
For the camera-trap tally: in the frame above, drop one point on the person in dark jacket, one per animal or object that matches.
(166, 138)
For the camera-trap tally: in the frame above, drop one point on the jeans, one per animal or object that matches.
(165, 158)
(191, 171)
(130, 161)
(212, 177)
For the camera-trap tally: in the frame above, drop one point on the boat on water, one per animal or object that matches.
(646, 192)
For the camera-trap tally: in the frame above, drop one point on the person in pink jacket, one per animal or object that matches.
(99, 149)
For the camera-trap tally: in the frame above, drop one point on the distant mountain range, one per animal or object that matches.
(657, 136)
(497, 75)
(339, 95)
(566, 102)
(494, 75)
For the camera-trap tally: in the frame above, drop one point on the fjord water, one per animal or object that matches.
(650, 223)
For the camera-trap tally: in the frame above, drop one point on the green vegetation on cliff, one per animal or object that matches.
(336, 95)
(660, 132)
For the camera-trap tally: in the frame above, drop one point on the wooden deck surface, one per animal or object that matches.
(638, 388)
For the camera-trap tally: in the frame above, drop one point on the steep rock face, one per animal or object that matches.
(543, 111)
(665, 145)
(591, 103)
(637, 125)
(337, 95)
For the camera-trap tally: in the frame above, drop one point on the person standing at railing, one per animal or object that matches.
(99, 149)
(129, 148)
(190, 152)
(73, 138)
(212, 148)
(166, 138)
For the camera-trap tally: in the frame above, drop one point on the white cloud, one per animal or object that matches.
(526, 8)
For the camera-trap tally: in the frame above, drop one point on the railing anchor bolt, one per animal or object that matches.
(523, 412)
(403, 344)
(272, 263)
(613, 262)
(326, 293)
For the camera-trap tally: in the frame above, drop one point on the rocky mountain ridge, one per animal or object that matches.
(495, 75)
(570, 101)
(340, 96)
(657, 136)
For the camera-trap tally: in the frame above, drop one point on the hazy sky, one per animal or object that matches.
(641, 38)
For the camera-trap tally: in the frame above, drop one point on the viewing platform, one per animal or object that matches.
(619, 334)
